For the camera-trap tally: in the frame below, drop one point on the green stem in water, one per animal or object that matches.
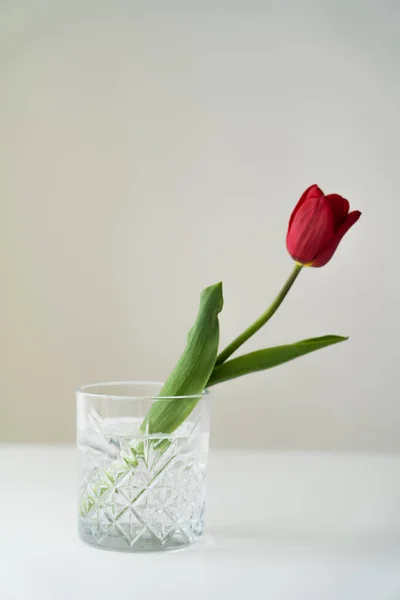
(250, 331)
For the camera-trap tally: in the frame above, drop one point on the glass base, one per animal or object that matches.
(124, 538)
(141, 493)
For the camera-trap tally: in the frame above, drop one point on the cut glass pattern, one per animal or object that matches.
(141, 493)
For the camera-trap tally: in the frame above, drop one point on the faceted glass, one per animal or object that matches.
(140, 489)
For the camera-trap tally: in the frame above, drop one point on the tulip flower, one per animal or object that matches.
(317, 225)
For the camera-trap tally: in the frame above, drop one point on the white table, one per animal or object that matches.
(280, 526)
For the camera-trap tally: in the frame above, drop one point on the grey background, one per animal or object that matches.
(149, 149)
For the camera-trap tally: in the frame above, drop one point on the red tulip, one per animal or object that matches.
(317, 226)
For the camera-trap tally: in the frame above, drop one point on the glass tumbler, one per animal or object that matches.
(141, 473)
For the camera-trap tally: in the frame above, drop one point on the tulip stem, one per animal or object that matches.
(271, 310)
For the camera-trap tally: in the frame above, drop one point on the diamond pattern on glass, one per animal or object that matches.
(142, 492)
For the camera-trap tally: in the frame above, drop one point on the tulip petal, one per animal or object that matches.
(311, 192)
(311, 230)
(340, 207)
(326, 254)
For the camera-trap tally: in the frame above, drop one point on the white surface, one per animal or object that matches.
(149, 149)
(280, 526)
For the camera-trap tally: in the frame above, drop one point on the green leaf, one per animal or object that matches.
(269, 357)
(193, 369)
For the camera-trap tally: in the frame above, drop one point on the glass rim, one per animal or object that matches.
(85, 391)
